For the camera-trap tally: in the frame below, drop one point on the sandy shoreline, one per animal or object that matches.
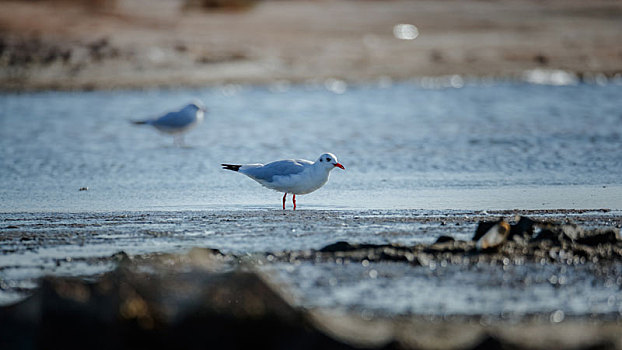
(138, 44)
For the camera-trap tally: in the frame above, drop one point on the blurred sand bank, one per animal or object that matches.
(139, 43)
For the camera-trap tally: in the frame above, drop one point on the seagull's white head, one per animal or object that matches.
(199, 105)
(328, 161)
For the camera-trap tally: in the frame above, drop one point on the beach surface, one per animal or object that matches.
(448, 116)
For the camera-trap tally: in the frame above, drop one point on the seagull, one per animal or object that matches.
(295, 176)
(177, 123)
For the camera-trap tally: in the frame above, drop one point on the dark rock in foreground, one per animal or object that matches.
(127, 309)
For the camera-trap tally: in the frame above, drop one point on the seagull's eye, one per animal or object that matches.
(321, 160)
(328, 159)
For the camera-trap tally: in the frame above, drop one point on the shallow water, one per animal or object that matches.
(403, 146)
(415, 158)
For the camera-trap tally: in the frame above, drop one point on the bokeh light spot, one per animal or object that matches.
(405, 31)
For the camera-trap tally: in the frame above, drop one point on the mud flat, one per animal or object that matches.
(138, 43)
(238, 300)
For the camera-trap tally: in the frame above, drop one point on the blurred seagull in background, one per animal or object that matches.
(295, 176)
(178, 123)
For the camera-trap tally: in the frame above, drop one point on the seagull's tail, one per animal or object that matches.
(233, 167)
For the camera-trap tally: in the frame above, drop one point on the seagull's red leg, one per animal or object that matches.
(294, 200)
(285, 195)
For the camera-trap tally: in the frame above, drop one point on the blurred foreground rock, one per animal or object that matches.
(187, 307)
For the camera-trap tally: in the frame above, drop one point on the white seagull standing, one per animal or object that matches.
(295, 176)
(178, 123)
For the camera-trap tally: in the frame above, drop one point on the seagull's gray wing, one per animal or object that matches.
(177, 119)
(279, 168)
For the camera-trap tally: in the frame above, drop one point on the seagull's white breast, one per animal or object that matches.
(304, 182)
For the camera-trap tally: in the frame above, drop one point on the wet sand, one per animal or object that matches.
(86, 244)
(173, 292)
(138, 43)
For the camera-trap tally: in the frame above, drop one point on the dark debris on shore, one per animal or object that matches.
(493, 242)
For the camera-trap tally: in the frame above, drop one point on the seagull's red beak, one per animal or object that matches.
(338, 165)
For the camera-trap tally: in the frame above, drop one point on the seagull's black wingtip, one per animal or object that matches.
(233, 167)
